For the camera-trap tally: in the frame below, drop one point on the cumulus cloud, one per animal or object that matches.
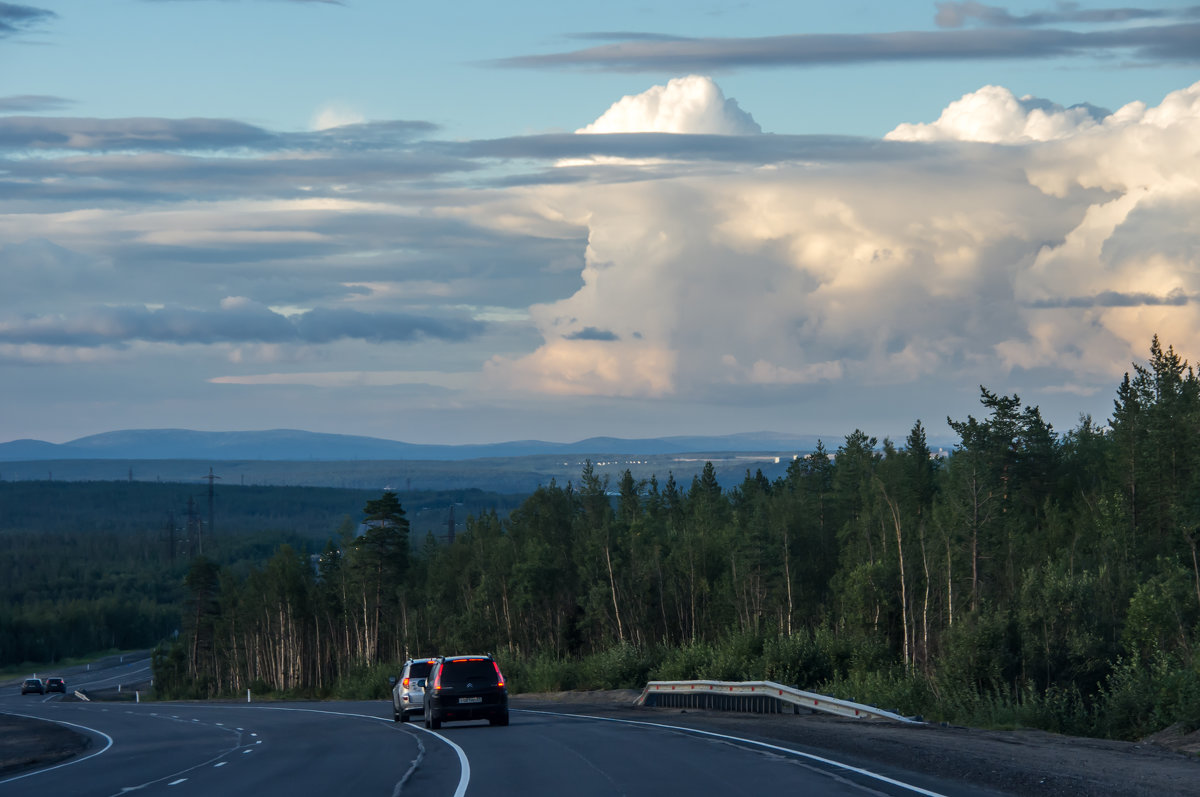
(1057, 256)
(692, 104)
(336, 116)
(994, 115)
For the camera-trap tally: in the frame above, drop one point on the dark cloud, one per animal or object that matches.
(15, 19)
(252, 323)
(32, 102)
(1177, 42)
(326, 326)
(734, 149)
(139, 134)
(591, 333)
(958, 14)
(609, 36)
(151, 134)
(1114, 299)
(322, 2)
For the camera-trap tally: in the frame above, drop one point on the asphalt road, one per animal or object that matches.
(354, 748)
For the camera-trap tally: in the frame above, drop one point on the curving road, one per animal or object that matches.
(354, 748)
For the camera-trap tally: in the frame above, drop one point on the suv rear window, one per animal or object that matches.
(419, 669)
(478, 671)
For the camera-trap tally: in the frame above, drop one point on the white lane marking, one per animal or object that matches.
(108, 738)
(247, 752)
(753, 742)
(220, 764)
(465, 765)
(464, 778)
(177, 782)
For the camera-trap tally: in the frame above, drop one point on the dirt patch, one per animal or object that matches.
(27, 743)
(1000, 762)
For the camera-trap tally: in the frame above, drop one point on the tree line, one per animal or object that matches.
(1033, 576)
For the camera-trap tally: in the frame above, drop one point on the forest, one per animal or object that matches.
(1031, 578)
(87, 567)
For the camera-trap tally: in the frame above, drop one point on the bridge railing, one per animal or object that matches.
(762, 697)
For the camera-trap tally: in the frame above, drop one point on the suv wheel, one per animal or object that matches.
(500, 720)
(432, 721)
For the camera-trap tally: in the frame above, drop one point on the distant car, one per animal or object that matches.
(408, 691)
(465, 688)
(55, 684)
(33, 686)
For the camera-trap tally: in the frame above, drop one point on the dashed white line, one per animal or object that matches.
(176, 782)
(220, 764)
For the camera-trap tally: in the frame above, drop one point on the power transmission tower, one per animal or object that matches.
(171, 537)
(195, 540)
(211, 478)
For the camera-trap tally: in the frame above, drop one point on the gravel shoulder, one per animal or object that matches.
(1022, 762)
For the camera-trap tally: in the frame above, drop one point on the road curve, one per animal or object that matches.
(353, 748)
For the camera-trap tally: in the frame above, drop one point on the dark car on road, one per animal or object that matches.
(465, 688)
(408, 691)
(33, 686)
(55, 684)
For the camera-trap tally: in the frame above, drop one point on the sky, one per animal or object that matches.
(479, 222)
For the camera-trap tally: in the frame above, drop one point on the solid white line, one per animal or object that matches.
(465, 765)
(464, 778)
(754, 742)
(66, 763)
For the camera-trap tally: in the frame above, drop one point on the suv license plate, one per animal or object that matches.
(470, 700)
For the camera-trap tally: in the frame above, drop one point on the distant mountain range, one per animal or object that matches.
(295, 445)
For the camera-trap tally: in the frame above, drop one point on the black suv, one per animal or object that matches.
(465, 688)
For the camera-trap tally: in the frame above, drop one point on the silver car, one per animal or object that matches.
(408, 691)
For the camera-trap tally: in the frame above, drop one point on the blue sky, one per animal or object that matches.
(478, 222)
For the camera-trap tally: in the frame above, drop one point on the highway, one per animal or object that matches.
(354, 748)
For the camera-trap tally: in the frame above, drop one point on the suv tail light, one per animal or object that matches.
(437, 682)
(404, 683)
(499, 675)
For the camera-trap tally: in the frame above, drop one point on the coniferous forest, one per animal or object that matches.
(1032, 578)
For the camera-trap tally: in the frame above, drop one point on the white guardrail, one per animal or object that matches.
(762, 697)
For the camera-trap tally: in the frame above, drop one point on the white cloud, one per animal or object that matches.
(958, 265)
(332, 116)
(692, 104)
(994, 115)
